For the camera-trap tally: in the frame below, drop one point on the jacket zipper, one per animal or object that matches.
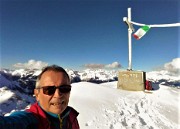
(61, 122)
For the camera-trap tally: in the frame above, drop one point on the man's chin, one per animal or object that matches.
(57, 110)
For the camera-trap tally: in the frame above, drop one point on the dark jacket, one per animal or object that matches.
(36, 118)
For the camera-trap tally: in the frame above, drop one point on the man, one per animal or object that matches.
(51, 111)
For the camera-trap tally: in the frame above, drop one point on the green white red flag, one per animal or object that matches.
(141, 32)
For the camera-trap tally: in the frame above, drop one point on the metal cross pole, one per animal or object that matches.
(130, 23)
(127, 20)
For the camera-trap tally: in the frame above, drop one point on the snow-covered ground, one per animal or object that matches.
(103, 106)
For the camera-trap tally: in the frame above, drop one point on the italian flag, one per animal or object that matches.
(141, 32)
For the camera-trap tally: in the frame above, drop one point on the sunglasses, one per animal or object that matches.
(50, 90)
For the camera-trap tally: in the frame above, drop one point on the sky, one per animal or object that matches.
(79, 34)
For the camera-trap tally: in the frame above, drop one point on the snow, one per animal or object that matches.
(5, 94)
(13, 101)
(102, 106)
(157, 75)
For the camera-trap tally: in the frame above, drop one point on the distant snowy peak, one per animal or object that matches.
(19, 72)
(156, 75)
(25, 72)
(99, 75)
(164, 77)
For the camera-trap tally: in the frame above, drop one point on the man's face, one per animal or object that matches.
(57, 102)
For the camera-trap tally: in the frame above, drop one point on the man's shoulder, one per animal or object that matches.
(73, 118)
(27, 113)
(73, 111)
(36, 110)
(20, 113)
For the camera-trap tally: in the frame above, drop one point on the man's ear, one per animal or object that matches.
(36, 93)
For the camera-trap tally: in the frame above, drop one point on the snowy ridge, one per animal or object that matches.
(164, 77)
(25, 79)
(12, 100)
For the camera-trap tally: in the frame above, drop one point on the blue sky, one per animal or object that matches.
(74, 33)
